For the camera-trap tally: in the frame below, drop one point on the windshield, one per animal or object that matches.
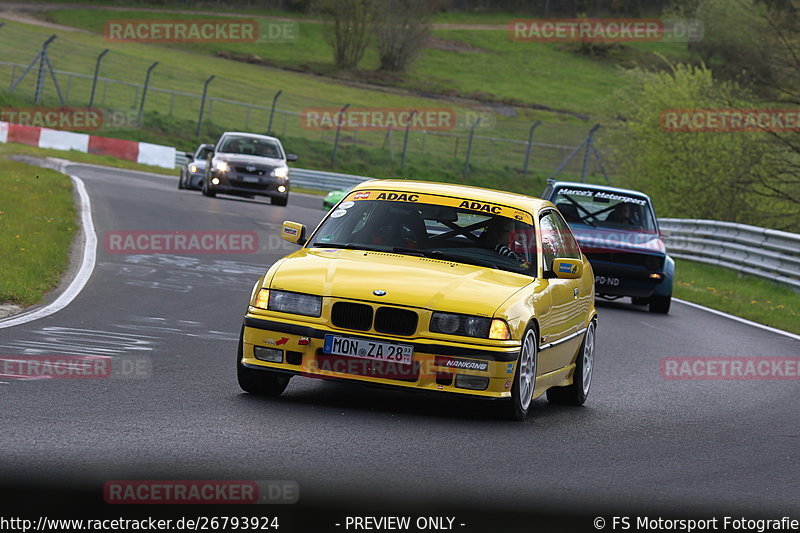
(433, 226)
(241, 144)
(605, 209)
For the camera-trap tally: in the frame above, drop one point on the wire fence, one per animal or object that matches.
(134, 88)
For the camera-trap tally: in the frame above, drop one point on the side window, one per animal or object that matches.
(571, 250)
(552, 245)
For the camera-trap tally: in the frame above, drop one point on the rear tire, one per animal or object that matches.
(260, 382)
(660, 304)
(576, 393)
(518, 407)
(278, 200)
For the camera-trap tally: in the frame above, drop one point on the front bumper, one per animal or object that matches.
(427, 372)
(240, 184)
(625, 280)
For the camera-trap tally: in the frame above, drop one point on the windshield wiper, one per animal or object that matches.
(345, 246)
(438, 254)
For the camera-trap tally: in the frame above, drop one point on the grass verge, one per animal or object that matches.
(37, 224)
(749, 297)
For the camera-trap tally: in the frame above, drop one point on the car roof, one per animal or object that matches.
(520, 201)
(593, 186)
(247, 134)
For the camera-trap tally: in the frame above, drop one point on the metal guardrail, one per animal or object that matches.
(323, 181)
(767, 253)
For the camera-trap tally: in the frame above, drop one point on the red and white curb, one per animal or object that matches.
(138, 152)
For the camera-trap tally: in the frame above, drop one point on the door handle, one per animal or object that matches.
(575, 292)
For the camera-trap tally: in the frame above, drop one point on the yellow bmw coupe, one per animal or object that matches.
(430, 286)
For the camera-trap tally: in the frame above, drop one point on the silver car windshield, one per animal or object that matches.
(241, 144)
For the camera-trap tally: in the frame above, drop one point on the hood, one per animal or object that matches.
(244, 159)
(592, 240)
(408, 280)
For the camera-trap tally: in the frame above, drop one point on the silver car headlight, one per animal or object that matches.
(281, 172)
(221, 165)
(193, 168)
(295, 303)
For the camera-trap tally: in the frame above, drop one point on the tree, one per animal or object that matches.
(402, 32)
(350, 27)
(715, 175)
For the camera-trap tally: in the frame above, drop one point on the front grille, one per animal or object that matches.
(348, 315)
(395, 321)
(258, 171)
(649, 261)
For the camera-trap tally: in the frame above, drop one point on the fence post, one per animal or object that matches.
(96, 73)
(40, 77)
(469, 148)
(405, 139)
(528, 149)
(272, 111)
(202, 106)
(586, 153)
(338, 129)
(144, 91)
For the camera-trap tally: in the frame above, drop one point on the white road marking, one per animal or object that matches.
(84, 272)
(739, 319)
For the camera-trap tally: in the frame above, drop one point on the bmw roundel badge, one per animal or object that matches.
(379, 292)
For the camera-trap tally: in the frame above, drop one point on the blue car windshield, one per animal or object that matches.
(605, 209)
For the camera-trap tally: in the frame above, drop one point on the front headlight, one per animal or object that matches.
(295, 303)
(222, 166)
(192, 168)
(464, 325)
(281, 172)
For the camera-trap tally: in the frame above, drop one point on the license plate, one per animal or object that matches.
(368, 349)
(251, 179)
(606, 280)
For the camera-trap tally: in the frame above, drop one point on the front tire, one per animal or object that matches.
(577, 393)
(180, 182)
(660, 304)
(206, 191)
(518, 407)
(260, 382)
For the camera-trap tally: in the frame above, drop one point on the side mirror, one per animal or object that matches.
(291, 157)
(567, 268)
(294, 232)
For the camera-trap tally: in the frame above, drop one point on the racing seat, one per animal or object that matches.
(405, 230)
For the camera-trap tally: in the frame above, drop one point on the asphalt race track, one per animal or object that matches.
(641, 444)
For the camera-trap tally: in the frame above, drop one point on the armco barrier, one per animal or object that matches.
(767, 253)
(323, 181)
